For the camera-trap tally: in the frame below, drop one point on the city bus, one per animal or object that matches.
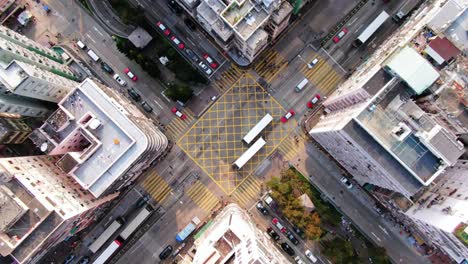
(248, 154)
(108, 252)
(108, 232)
(135, 223)
(255, 131)
(371, 29)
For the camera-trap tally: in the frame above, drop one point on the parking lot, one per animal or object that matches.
(214, 142)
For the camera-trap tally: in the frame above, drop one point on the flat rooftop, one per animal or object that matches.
(97, 157)
(12, 74)
(457, 31)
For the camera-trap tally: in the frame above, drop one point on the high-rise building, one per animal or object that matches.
(40, 206)
(30, 73)
(241, 27)
(13, 131)
(234, 238)
(104, 141)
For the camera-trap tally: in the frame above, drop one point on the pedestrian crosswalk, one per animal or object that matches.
(290, 147)
(322, 75)
(227, 79)
(202, 197)
(155, 186)
(246, 192)
(270, 64)
(178, 126)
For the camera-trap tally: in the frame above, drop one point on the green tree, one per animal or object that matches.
(378, 254)
(181, 92)
(339, 251)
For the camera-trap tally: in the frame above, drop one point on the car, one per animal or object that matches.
(107, 68)
(134, 95)
(311, 64)
(310, 256)
(292, 238)
(262, 208)
(190, 24)
(313, 101)
(165, 253)
(340, 35)
(192, 55)
(146, 107)
(69, 259)
(179, 43)
(346, 182)
(298, 231)
(212, 63)
(163, 28)
(84, 260)
(287, 116)
(273, 234)
(178, 113)
(130, 74)
(205, 68)
(142, 201)
(278, 225)
(119, 80)
(288, 249)
(175, 7)
(299, 260)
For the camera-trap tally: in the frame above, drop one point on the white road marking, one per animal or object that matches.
(350, 23)
(376, 236)
(359, 28)
(90, 38)
(99, 32)
(156, 102)
(162, 93)
(383, 229)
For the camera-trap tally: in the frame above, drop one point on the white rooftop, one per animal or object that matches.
(413, 69)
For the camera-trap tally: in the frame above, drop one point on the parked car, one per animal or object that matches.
(190, 24)
(205, 68)
(262, 208)
(119, 80)
(178, 43)
(298, 231)
(192, 55)
(212, 63)
(313, 101)
(310, 256)
(165, 253)
(311, 64)
(288, 249)
(299, 260)
(340, 35)
(292, 238)
(69, 259)
(273, 234)
(278, 225)
(163, 28)
(146, 107)
(84, 260)
(134, 95)
(287, 116)
(346, 182)
(142, 201)
(130, 74)
(107, 68)
(178, 113)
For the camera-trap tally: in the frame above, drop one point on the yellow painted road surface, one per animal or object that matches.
(178, 126)
(155, 186)
(202, 197)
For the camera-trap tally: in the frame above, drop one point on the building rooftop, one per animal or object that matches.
(446, 15)
(411, 136)
(233, 238)
(98, 138)
(413, 69)
(442, 50)
(457, 31)
(10, 208)
(250, 22)
(140, 38)
(12, 74)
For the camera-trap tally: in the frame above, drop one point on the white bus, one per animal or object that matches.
(99, 242)
(135, 223)
(248, 154)
(108, 252)
(262, 124)
(93, 55)
(371, 29)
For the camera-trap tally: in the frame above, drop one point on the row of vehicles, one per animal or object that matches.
(290, 235)
(206, 65)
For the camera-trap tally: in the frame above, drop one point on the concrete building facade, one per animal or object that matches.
(13, 131)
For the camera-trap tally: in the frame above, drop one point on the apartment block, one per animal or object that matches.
(22, 106)
(40, 207)
(234, 238)
(13, 131)
(104, 141)
(243, 28)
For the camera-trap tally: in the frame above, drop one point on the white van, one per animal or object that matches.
(81, 44)
(301, 85)
(93, 55)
